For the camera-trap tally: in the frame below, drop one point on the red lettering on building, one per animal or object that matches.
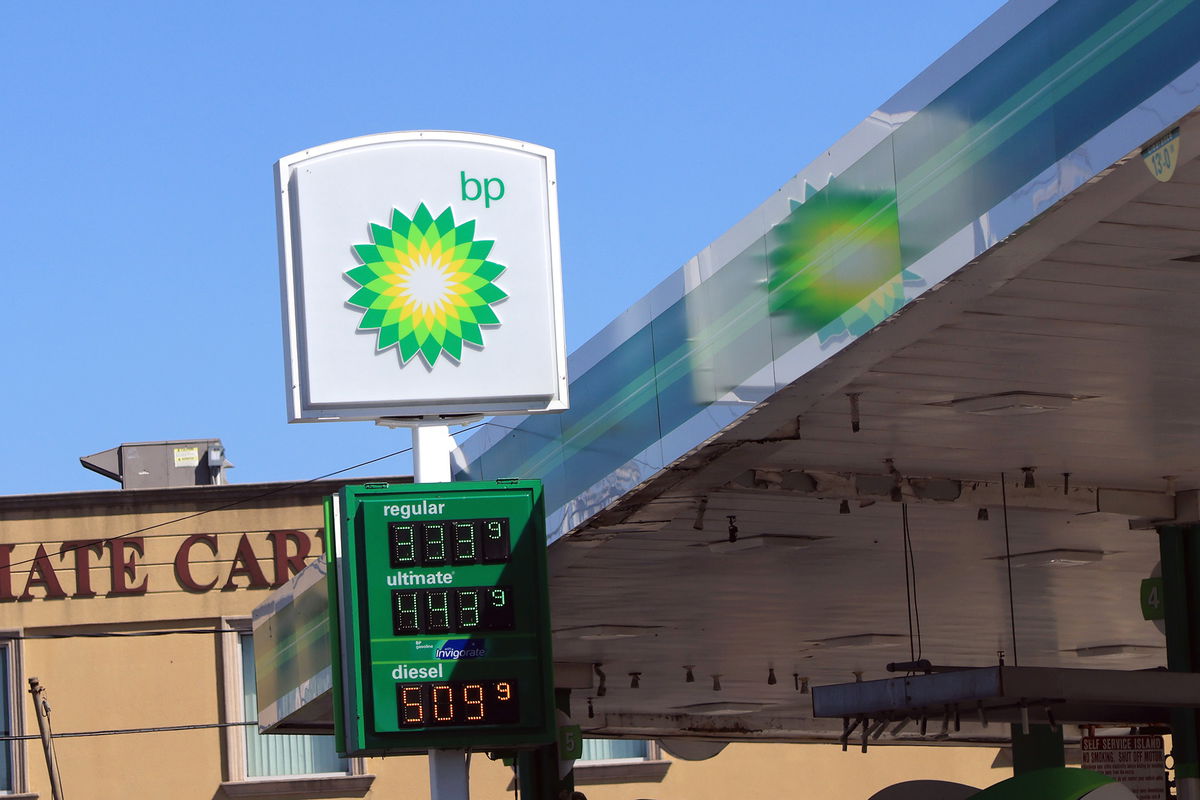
(123, 567)
(288, 565)
(83, 550)
(6, 592)
(41, 573)
(183, 566)
(248, 568)
(291, 550)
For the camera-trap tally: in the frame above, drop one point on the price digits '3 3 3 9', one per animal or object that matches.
(468, 610)
(448, 542)
(489, 702)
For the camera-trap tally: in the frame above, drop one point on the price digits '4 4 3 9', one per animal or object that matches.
(457, 703)
(468, 610)
(458, 542)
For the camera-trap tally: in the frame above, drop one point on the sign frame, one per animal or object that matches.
(409, 401)
(357, 695)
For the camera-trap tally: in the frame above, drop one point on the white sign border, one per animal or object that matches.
(298, 410)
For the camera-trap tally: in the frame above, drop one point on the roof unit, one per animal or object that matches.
(162, 465)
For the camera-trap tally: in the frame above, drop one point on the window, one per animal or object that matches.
(266, 765)
(6, 726)
(270, 756)
(620, 761)
(615, 749)
(12, 753)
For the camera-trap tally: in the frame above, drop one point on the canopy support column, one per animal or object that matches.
(1180, 551)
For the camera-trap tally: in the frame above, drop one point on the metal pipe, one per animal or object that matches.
(431, 464)
(431, 453)
(847, 729)
(42, 709)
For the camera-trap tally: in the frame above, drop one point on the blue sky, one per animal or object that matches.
(136, 201)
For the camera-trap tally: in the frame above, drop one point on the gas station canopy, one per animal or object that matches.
(941, 382)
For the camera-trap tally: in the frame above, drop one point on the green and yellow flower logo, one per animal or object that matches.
(426, 285)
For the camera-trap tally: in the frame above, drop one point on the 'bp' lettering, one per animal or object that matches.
(490, 189)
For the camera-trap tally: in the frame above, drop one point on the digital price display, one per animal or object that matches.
(470, 610)
(446, 637)
(458, 703)
(458, 542)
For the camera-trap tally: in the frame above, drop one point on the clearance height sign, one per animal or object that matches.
(444, 620)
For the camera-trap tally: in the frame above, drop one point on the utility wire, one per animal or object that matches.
(117, 634)
(910, 577)
(1012, 612)
(912, 565)
(235, 503)
(912, 650)
(121, 731)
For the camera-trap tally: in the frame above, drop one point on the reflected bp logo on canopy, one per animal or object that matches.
(427, 286)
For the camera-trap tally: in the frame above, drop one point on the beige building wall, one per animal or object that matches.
(156, 561)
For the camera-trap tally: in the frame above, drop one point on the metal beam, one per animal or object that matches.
(1018, 694)
(826, 484)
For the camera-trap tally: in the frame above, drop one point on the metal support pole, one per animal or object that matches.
(431, 464)
(537, 773)
(42, 709)
(538, 769)
(448, 775)
(431, 453)
(1041, 748)
(566, 783)
(1180, 553)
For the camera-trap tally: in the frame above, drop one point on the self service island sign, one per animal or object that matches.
(421, 277)
(443, 617)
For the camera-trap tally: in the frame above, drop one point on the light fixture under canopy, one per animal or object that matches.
(1038, 695)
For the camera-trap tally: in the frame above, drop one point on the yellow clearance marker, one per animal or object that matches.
(1161, 156)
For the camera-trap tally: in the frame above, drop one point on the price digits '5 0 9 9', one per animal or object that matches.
(457, 703)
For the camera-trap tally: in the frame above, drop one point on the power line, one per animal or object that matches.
(119, 634)
(1012, 608)
(235, 503)
(121, 731)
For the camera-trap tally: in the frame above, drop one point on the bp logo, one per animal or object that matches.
(427, 285)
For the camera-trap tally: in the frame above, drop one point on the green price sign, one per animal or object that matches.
(444, 617)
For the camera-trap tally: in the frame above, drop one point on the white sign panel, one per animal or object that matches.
(1137, 762)
(421, 277)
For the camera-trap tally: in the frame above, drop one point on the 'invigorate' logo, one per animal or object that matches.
(427, 285)
(455, 649)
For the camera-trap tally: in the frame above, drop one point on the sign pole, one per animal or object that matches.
(431, 464)
(431, 453)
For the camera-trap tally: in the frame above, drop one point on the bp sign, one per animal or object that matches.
(443, 617)
(421, 277)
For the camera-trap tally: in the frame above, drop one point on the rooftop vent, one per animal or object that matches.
(162, 465)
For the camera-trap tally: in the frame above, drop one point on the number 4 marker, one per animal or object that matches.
(1152, 599)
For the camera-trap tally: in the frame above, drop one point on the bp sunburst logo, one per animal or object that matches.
(427, 285)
